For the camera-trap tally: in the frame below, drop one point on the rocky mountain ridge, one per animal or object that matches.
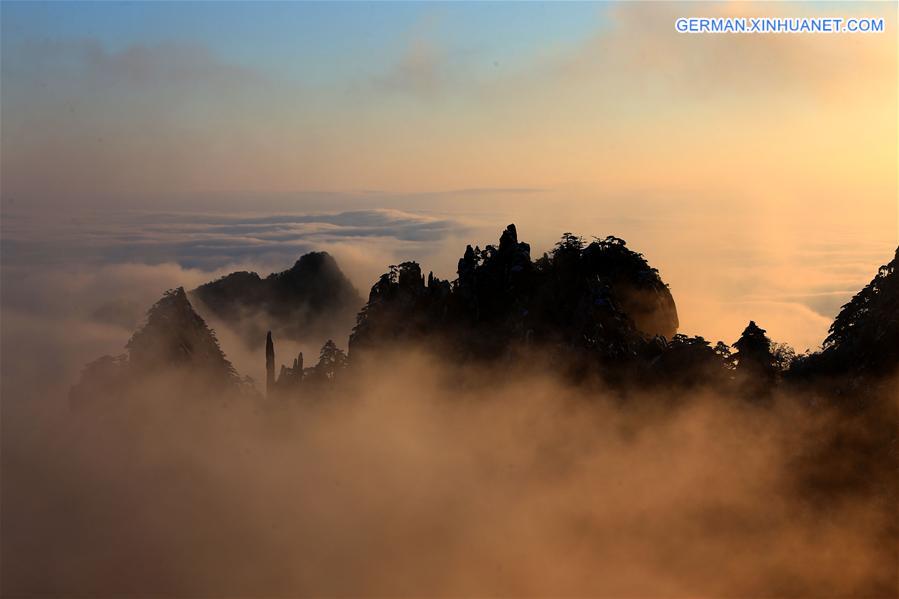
(312, 299)
(593, 308)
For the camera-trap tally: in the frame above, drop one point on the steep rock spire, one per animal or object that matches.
(269, 364)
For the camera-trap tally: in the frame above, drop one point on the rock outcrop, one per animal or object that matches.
(295, 381)
(583, 306)
(599, 297)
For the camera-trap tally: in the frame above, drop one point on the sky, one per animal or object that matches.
(758, 173)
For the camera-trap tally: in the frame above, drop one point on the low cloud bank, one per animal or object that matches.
(214, 241)
(420, 478)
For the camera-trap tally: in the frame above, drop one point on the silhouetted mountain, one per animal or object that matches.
(174, 340)
(176, 336)
(600, 298)
(311, 299)
(864, 337)
(596, 308)
(585, 305)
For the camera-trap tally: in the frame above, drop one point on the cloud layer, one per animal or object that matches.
(408, 483)
(212, 241)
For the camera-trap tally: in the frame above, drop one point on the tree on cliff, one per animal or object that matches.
(331, 361)
(864, 338)
(754, 355)
(867, 328)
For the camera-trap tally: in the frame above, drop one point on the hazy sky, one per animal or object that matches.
(759, 173)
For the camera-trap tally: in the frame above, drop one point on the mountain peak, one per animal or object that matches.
(601, 296)
(311, 301)
(313, 262)
(175, 335)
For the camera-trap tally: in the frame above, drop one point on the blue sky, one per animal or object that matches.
(307, 41)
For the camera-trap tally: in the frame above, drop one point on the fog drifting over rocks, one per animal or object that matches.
(420, 478)
(417, 477)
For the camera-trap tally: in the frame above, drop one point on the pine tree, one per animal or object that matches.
(754, 355)
(331, 361)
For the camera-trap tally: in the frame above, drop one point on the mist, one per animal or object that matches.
(417, 475)
(726, 264)
(154, 146)
(421, 478)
